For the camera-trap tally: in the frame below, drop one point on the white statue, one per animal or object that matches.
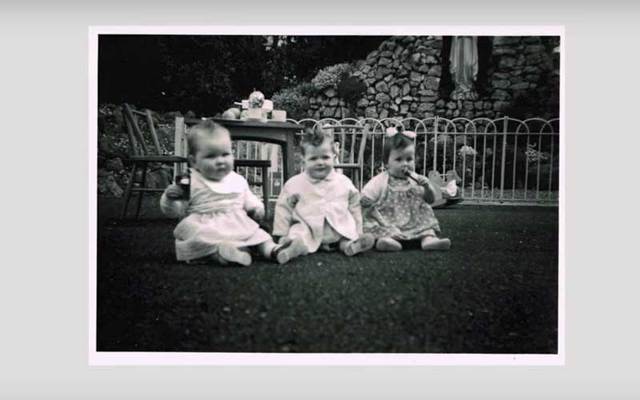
(464, 66)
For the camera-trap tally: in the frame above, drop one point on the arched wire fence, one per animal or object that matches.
(504, 160)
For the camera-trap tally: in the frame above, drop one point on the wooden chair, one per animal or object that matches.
(348, 159)
(264, 165)
(142, 155)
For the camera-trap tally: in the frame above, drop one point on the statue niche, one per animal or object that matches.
(463, 67)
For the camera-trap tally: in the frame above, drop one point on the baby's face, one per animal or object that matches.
(318, 160)
(401, 160)
(214, 158)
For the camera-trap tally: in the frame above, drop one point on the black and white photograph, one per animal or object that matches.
(305, 192)
(319, 200)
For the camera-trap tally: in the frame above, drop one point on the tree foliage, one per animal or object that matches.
(206, 74)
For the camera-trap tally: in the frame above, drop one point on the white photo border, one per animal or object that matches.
(102, 358)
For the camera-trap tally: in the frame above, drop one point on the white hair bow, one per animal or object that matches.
(392, 131)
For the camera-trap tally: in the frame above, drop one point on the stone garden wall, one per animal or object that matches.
(403, 79)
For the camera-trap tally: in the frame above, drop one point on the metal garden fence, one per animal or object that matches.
(504, 160)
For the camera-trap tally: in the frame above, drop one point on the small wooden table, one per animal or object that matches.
(281, 133)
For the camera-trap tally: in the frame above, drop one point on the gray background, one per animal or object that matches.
(43, 280)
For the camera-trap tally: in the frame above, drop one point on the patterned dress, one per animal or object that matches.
(397, 209)
(216, 212)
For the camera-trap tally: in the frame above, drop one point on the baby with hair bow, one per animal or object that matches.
(395, 203)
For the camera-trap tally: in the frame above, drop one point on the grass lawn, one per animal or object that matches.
(495, 291)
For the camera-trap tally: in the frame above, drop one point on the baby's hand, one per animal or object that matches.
(421, 180)
(174, 192)
(366, 202)
(257, 213)
(293, 200)
(417, 190)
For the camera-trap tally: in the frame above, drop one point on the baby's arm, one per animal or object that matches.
(171, 204)
(371, 193)
(252, 205)
(429, 194)
(371, 212)
(283, 213)
(355, 209)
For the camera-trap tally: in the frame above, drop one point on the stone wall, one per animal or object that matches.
(403, 79)
(522, 74)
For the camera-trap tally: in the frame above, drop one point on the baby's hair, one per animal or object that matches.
(395, 142)
(204, 127)
(316, 137)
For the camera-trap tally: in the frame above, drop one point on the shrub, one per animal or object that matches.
(467, 151)
(292, 101)
(307, 89)
(330, 77)
(533, 155)
(351, 89)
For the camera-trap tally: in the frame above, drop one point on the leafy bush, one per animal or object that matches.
(466, 150)
(351, 89)
(295, 99)
(307, 89)
(292, 100)
(533, 155)
(330, 77)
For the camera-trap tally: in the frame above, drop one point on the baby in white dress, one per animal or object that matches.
(216, 223)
